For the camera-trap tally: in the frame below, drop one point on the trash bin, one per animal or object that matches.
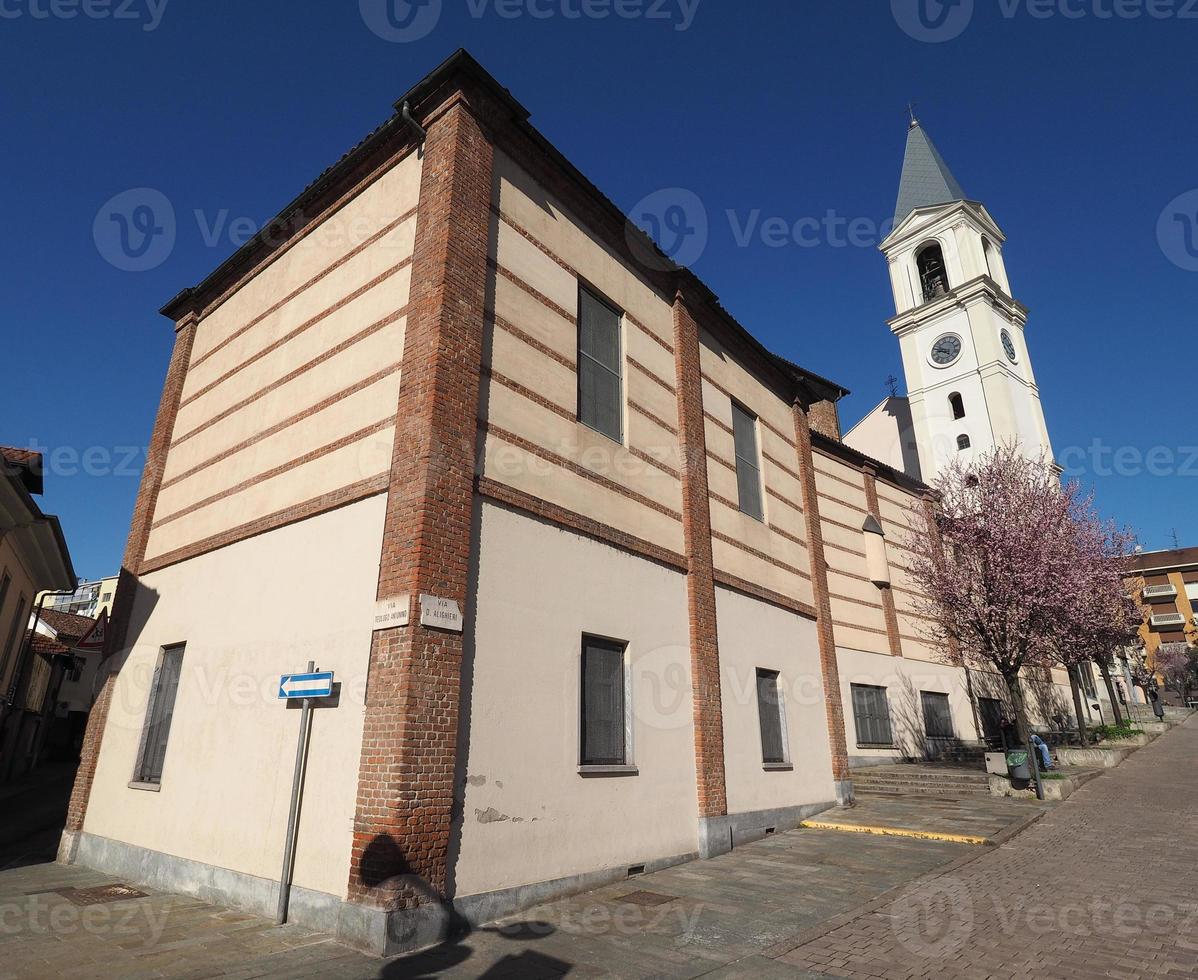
(1017, 766)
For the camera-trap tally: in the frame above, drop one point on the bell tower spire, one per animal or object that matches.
(970, 385)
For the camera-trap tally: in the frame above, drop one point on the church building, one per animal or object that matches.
(600, 584)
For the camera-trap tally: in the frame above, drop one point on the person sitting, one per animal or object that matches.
(1041, 749)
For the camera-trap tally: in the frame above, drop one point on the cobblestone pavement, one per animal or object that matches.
(1102, 885)
(1105, 885)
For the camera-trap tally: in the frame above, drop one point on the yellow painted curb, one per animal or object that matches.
(857, 828)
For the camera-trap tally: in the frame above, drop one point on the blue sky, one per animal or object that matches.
(1073, 122)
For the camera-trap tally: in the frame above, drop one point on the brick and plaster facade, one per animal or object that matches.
(394, 414)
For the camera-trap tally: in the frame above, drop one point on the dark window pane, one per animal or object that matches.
(159, 712)
(769, 713)
(937, 717)
(748, 485)
(599, 331)
(602, 703)
(600, 392)
(748, 474)
(871, 713)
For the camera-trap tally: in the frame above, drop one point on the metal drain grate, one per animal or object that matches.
(646, 898)
(100, 894)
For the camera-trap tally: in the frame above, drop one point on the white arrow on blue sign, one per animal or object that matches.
(306, 685)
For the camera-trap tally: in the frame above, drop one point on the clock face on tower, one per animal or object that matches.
(1008, 345)
(946, 349)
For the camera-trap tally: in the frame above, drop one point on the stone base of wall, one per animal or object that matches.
(380, 931)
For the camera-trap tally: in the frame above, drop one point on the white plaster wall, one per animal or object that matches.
(528, 815)
(755, 634)
(249, 613)
(904, 679)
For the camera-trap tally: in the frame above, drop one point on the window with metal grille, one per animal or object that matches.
(937, 716)
(604, 728)
(159, 711)
(871, 712)
(748, 466)
(600, 384)
(769, 715)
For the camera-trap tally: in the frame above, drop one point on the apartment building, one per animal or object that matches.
(90, 598)
(602, 587)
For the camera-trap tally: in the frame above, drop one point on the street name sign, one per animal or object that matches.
(440, 613)
(318, 685)
(391, 612)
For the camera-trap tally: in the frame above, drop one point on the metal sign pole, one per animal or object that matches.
(296, 787)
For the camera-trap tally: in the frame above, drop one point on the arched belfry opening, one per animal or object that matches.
(957, 404)
(933, 278)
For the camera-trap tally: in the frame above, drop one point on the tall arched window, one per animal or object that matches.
(962, 442)
(957, 404)
(929, 263)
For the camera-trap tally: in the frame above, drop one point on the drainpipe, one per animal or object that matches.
(406, 113)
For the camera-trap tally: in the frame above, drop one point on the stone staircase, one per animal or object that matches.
(936, 780)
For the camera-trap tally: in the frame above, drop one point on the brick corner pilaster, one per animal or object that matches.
(700, 579)
(889, 610)
(829, 667)
(406, 776)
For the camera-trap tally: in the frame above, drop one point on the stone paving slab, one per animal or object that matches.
(980, 816)
(722, 915)
(1103, 886)
(744, 914)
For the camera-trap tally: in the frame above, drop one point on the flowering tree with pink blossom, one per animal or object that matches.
(1177, 666)
(1006, 560)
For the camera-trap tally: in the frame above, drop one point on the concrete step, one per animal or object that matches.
(920, 791)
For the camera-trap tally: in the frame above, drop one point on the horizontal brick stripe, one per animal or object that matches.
(275, 307)
(783, 499)
(532, 291)
(291, 515)
(733, 506)
(573, 521)
(524, 233)
(288, 337)
(641, 410)
(849, 598)
(292, 375)
(320, 406)
(525, 392)
(788, 440)
(568, 464)
(569, 416)
(766, 595)
(839, 479)
(843, 503)
(792, 473)
(840, 547)
(660, 382)
(346, 440)
(508, 327)
(777, 563)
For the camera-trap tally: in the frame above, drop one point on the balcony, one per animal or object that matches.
(1167, 621)
(1158, 593)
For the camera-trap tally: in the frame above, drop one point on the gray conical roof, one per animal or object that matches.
(926, 178)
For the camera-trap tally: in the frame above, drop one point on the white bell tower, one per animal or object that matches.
(970, 385)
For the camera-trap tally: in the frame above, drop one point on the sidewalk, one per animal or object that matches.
(1103, 886)
(730, 915)
(34, 809)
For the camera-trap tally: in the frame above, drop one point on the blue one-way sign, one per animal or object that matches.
(306, 685)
